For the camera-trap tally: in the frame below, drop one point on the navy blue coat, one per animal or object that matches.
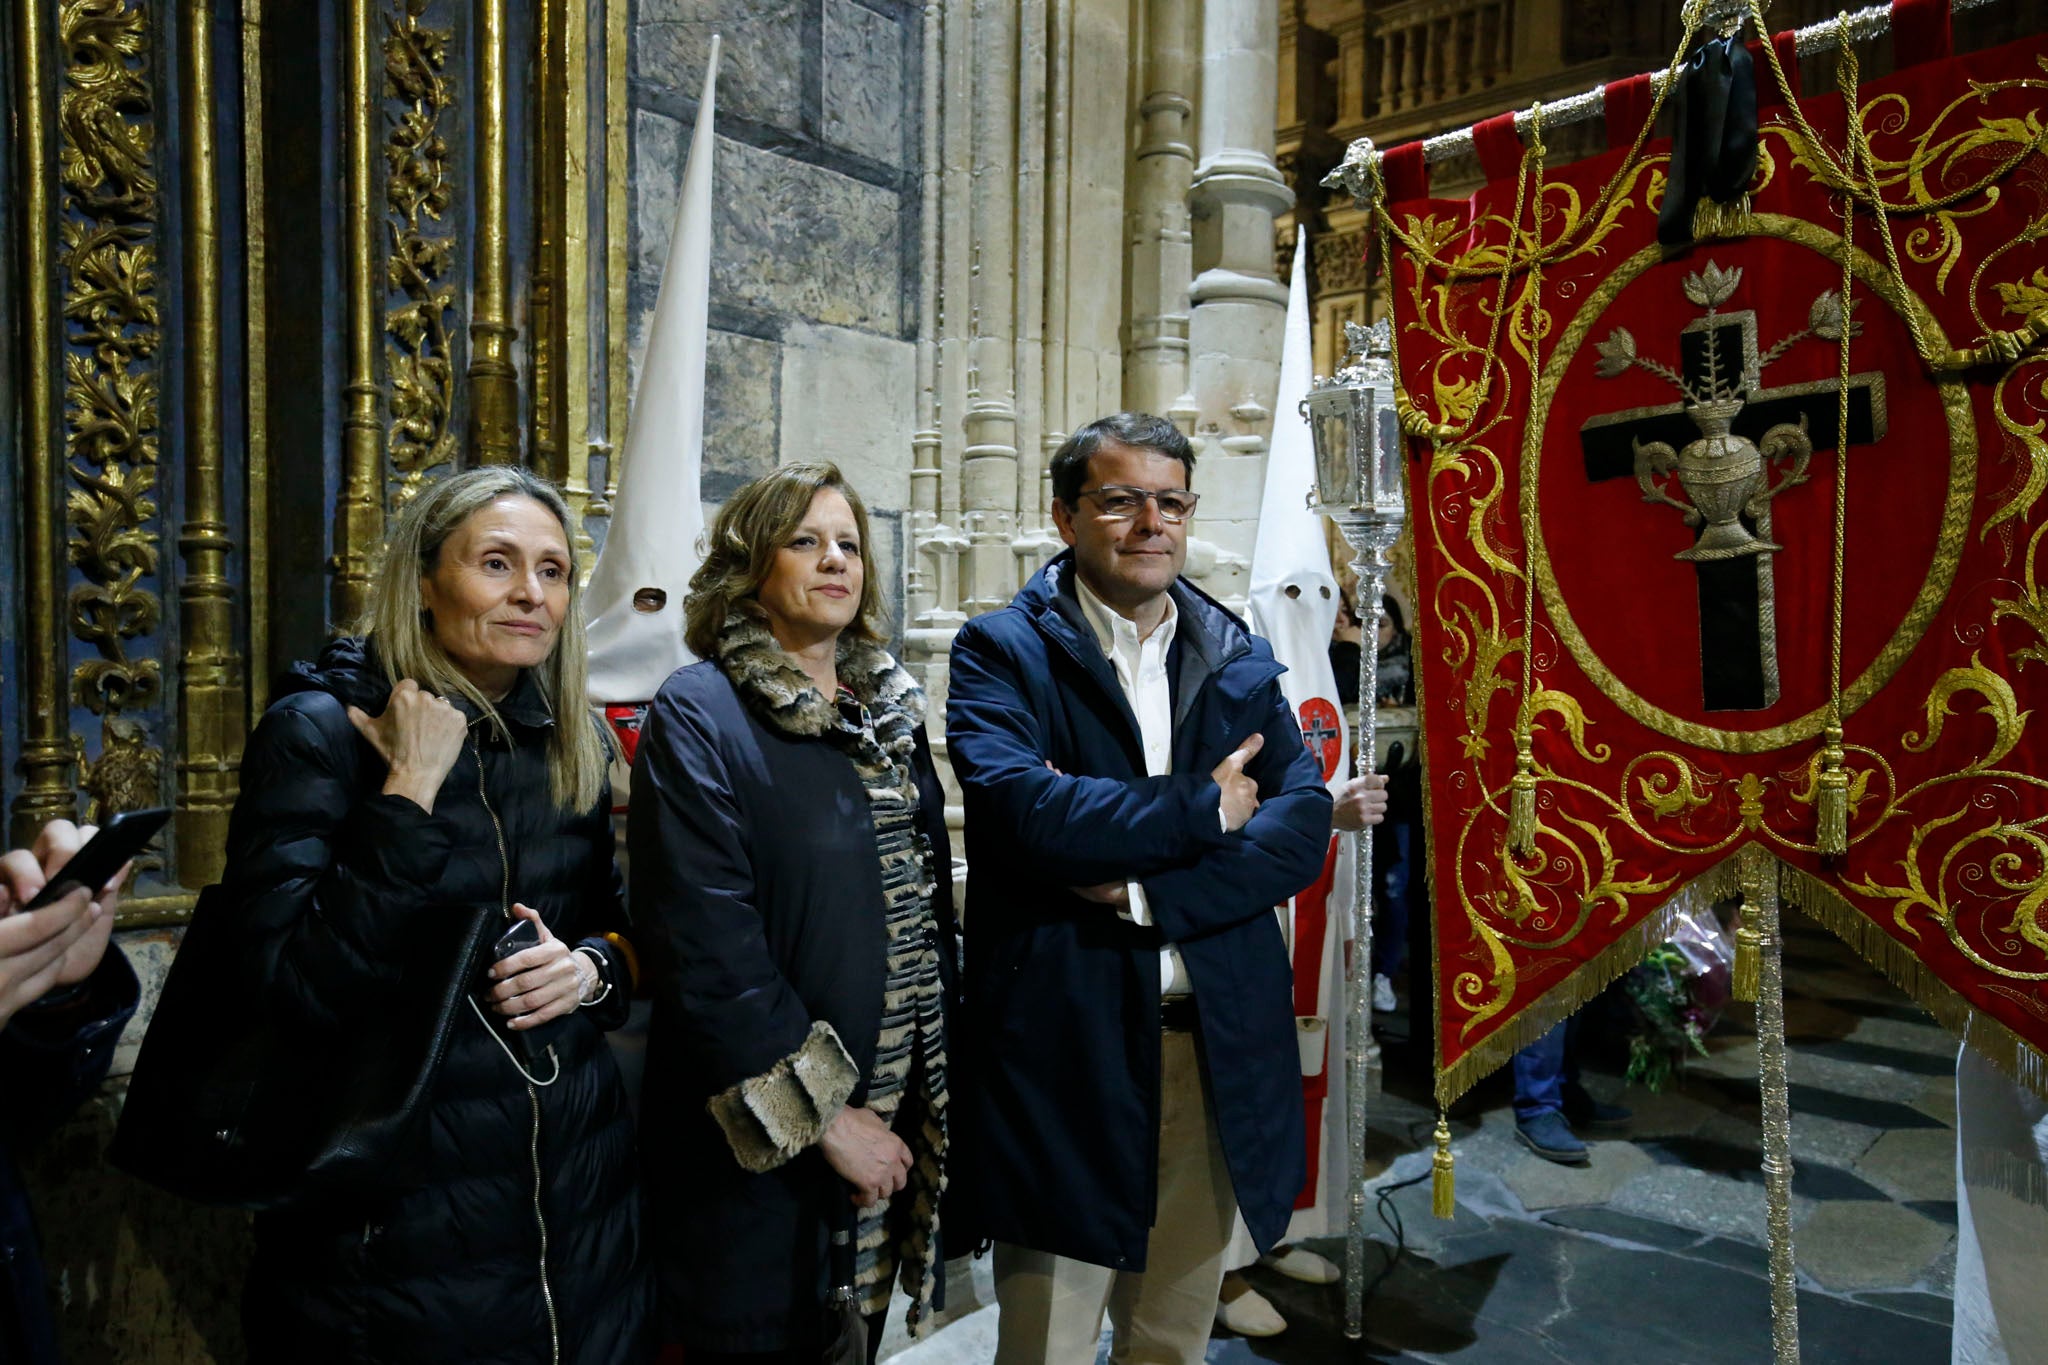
(51, 1060)
(757, 894)
(1056, 1103)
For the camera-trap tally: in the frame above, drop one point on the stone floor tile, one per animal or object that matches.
(1867, 1245)
(1748, 1257)
(1541, 1184)
(1695, 1199)
(1940, 1210)
(1623, 1227)
(1914, 1303)
(1914, 1163)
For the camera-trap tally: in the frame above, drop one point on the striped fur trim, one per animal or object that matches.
(771, 1117)
(783, 695)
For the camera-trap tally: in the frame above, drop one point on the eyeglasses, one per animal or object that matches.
(1120, 502)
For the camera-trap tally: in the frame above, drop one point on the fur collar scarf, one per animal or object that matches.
(777, 690)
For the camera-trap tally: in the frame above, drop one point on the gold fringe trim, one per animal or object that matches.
(1711, 219)
(1992, 1040)
(1443, 1172)
(1718, 883)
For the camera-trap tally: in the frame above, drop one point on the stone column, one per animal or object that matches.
(1161, 260)
(988, 476)
(1239, 303)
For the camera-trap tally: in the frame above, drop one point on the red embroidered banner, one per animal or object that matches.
(1627, 555)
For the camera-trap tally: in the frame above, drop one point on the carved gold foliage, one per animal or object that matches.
(128, 774)
(106, 164)
(106, 143)
(420, 254)
(2000, 703)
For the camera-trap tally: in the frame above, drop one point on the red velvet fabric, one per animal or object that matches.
(1921, 32)
(1628, 104)
(1498, 146)
(1945, 872)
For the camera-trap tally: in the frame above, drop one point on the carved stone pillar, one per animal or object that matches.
(1240, 305)
(1161, 246)
(988, 474)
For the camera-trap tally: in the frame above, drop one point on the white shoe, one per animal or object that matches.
(1250, 1315)
(1383, 994)
(1299, 1263)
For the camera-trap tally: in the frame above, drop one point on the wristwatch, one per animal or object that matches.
(603, 967)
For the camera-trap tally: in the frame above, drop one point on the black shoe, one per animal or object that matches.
(1550, 1137)
(1582, 1111)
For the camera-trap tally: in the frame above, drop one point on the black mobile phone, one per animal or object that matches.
(522, 935)
(93, 866)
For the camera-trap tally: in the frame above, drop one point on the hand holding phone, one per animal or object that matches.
(103, 856)
(48, 948)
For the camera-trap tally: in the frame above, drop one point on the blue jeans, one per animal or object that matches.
(1543, 1070)
(1390, 907)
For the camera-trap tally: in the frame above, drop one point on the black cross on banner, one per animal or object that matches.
(1319, 732)
(1738, 625)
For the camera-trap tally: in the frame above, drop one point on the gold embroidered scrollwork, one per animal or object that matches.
(108, 227)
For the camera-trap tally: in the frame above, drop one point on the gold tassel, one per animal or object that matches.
(1711, 219)
(1522, 800)
(1749, 944)
(1443, 1176)
(1831, 802)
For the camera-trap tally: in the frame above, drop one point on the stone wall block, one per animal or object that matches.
(865, 98)
(847, 397)
(802, 241)
(742, 400)
(760, 71)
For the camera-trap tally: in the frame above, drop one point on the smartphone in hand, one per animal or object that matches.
(105, 854)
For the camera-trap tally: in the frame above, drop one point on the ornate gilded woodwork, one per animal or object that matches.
(420, 248)
(108, 227)
(493, 382)
(211, 720)
(46, 751)
(359, 510)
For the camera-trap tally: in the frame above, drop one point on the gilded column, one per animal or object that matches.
(543, 317)
(210, 698)
(1159, 243)
(618, 371)
(359, 511)
(1239, 304)
(493, 383)
(46, 746)
(572, 293)
(255, 359)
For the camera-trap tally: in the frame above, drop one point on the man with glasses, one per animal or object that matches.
(1138, 800)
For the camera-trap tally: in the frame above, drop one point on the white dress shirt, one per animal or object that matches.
(1140, 666)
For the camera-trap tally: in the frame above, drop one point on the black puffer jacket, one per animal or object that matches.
(447, 1264)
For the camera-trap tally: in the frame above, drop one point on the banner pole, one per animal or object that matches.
(1760, 888)
(1370, 544)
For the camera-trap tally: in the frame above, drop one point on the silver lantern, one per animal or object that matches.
(1358, 444)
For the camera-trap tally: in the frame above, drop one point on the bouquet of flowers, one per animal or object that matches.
(1678, 993)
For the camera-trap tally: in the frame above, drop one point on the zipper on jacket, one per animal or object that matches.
(540, 1217)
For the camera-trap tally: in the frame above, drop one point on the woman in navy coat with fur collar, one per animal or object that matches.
(791, 883)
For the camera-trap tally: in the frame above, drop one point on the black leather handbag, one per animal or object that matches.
(225, 1107)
